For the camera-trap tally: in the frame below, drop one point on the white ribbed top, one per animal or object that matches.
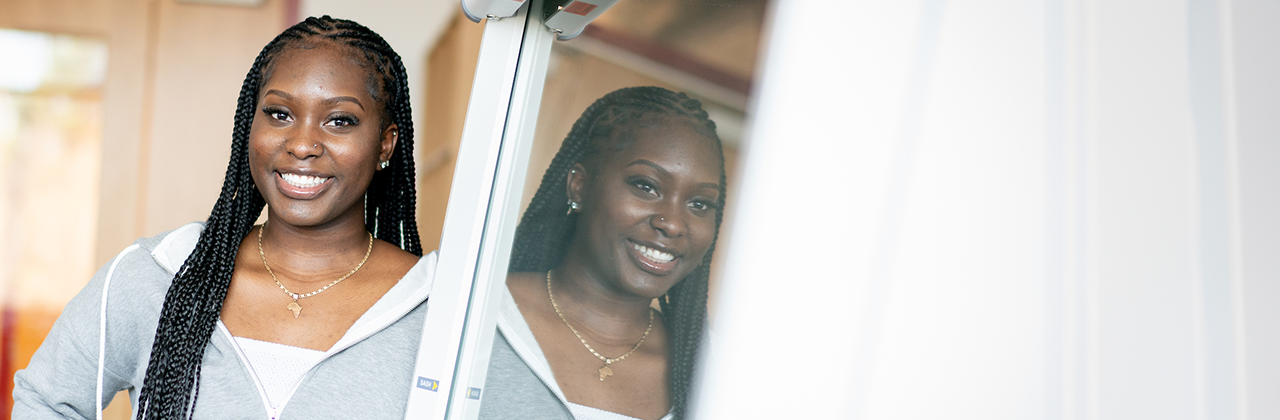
(582, 412)
(278, 367)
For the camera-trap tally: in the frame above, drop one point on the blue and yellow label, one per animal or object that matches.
(431, 384)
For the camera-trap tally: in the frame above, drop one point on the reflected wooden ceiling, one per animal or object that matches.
(714, 40)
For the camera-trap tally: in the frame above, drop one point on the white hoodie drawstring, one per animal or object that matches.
(102, 327)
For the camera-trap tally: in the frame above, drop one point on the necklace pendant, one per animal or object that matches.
(297, 309)
(605, 371)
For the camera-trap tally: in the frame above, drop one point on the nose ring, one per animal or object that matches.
(662, 219)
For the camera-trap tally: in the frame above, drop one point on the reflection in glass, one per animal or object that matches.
(624, 213)
(706, 49)
(628, 212)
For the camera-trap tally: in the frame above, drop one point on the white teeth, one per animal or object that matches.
(653, 254)
(302, 181)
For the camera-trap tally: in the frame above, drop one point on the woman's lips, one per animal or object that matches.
(301, 187)
(653, 260)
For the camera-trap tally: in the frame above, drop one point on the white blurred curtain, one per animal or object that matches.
(1006, 209)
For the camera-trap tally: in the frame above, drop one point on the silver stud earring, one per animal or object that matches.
(573, 205)
(384, 164)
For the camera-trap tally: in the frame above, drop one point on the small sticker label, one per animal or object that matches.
(473, 393)
(428, 384)
(579, 8)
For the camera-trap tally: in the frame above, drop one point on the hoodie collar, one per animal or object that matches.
(172, 251)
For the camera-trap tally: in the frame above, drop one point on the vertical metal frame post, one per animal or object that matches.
(501, 220)
(482, 214)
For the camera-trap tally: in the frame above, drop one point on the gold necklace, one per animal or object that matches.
(605, 371)
(294, 306)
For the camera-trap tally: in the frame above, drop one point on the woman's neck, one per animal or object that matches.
(588, 303)
(314, 254)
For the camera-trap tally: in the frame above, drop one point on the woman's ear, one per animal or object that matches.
(577, 179)
(390, 136)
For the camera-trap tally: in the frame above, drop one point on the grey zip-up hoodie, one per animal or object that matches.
(84, 361)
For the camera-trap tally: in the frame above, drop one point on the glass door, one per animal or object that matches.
(650, 67)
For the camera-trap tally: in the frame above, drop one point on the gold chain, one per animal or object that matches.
(294, 306)
(605, 371)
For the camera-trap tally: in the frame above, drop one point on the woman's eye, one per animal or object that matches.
(645, 186)
(342, 122)
(701, 205)
(277, 114)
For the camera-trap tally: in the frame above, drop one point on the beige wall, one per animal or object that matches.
(173, 75)
(123, 24)
(451, 65)
(200, 57)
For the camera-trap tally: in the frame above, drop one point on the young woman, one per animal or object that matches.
(627, 213)
(293, 318)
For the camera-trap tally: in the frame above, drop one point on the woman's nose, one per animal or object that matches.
(302, 143)
(670, 223)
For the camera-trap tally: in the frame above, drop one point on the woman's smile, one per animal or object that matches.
(653, 259)
(300, 186)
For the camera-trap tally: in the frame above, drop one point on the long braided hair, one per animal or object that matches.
(194, 300)
(543, 235)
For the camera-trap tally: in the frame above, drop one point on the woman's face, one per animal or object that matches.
(648, 210)
(316, 139)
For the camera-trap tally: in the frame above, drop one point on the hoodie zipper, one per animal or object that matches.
(272, 412)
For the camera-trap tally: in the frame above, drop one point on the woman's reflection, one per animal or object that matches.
(628, 212)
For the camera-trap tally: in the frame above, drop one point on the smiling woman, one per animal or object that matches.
(628, 212)
(203, 318)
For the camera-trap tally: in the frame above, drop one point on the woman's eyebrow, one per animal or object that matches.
(335, 100)
(659, 168)
(278, 93)
(646, 162)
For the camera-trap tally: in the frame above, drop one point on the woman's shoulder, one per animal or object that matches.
(525, 283)
(129, 290)
(159, 255)
(395, 261)
(136, 279)
(171, 248)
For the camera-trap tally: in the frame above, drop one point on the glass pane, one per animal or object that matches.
(619, 210)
